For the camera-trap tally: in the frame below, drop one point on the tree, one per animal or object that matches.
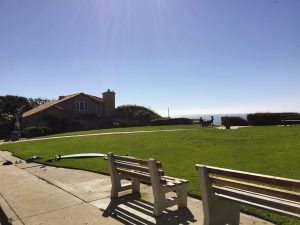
(11, 109)
(35, 102)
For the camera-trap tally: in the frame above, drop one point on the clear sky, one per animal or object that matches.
(193, 56)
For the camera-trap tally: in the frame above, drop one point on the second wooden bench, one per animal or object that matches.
(223, 190)
(149, 171)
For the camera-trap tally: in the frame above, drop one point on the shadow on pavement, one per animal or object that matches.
(133, 210)
(3, 218)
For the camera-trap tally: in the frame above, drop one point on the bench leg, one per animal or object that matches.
(115, 188)
(136, 186)
(223, 212)
(159, 202)
(182, 195)
(159, 206)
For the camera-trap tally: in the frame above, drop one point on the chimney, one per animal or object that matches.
(109, 102)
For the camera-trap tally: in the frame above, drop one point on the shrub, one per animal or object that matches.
(76, 125)
(135, 115)
(107, 123)
(175, 121)
(261, 119)
(30, 132)
(88, 116)
(234, 121)
(56, 121)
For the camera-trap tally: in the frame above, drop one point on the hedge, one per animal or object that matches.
(167, 121)
(30, 132)
(234, 121)
(261, 119)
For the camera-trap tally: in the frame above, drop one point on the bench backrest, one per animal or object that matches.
(225, 181)
(136, 168)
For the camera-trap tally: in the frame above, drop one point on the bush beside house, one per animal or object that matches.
(30, 132)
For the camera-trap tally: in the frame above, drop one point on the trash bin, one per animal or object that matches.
(14, 136)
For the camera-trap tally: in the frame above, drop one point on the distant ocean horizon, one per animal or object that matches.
(217, 117)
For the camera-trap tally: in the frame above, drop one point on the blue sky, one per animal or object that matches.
(193, 56)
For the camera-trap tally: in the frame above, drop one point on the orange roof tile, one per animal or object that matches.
(47, 105)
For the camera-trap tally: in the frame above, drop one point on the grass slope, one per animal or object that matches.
(268, 150)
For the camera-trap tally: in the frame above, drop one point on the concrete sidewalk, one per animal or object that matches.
(95, 134)
(36, 194)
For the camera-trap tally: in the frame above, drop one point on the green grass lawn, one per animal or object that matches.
(269, 150)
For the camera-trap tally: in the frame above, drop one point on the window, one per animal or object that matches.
(81, 106)
(98, 110)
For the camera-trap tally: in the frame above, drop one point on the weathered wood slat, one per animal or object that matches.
(170, 184)
(131, 159)
(174, 178)
(138, 175)
(259, 206)
(132, 166)
(293, 196)
(134, 160)
(172, 200)
(253, 198)
(175, 182)
(278, 181)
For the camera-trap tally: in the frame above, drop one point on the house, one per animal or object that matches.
(76, 111)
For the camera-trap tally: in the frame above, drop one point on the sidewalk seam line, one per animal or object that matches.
(57, 186)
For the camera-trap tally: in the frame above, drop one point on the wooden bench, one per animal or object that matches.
(149, 171)
(223, 190)
(290, 122)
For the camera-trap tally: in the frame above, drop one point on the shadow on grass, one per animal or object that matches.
(133, 210)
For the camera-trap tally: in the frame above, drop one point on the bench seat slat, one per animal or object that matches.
(280, 204)
(135, 174)
(288, 183)
(172, 200)
(293, 196)
(174, 178)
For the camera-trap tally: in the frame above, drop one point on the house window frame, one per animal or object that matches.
(82, 106)
(99, 110)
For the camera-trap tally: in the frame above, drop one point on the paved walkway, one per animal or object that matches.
(98, 134)
(35, 194)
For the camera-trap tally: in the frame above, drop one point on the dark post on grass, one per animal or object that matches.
(226, 122)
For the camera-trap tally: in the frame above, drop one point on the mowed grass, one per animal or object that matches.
(269, 150)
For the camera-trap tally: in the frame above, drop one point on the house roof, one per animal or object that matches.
(54, 103)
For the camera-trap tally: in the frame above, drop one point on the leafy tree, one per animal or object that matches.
(35, 102)
(11, 109)
(14, 104)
